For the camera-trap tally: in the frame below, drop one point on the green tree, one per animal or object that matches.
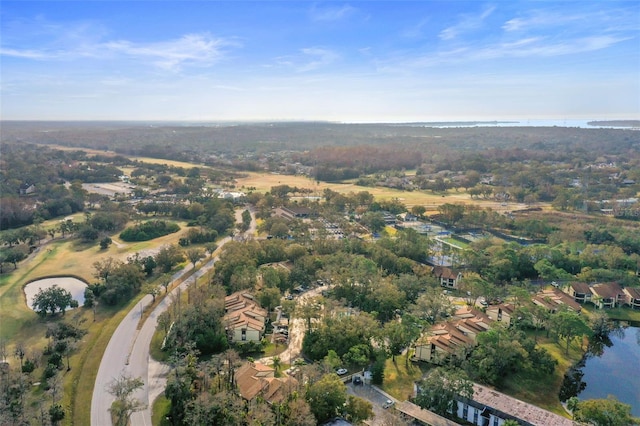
(332, 361)
(56, 414)
(569, 325)
(14, 254)
(51, 300)
(269, 298)
(358, 410)
(451, 213)
(396, 337)
(326, 397)
(105, 243)
(432, 306)
(440, 387)
(152, 289)
(194, 254)
(374, 221)
(498, 354)
(358, 356)
(168, 257)
(605, 412)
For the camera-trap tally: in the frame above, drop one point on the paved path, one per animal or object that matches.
(128, 352)
(296, 332)
(123, 355)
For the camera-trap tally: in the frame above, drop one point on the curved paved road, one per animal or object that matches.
(128, 353)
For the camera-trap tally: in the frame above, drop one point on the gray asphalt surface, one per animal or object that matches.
(128, 353)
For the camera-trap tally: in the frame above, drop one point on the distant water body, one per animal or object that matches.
(583, 124)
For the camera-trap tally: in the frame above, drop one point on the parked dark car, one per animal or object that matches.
(357, 380)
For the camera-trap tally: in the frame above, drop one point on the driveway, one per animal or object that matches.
(377, 399)
(296, 331)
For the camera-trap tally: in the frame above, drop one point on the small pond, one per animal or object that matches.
(609, 369)
(72, 285)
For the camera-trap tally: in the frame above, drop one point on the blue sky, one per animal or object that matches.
(353, 61)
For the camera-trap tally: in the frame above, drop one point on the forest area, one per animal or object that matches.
(378, 297)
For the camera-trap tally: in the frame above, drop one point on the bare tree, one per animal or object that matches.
(125, 404)
(20, 353)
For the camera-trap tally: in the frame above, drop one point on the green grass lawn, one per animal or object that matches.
(455, 243)
(18, 323)
(543, 390)
(159, 411)
(399, 377)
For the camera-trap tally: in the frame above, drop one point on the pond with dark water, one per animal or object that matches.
(608, 369)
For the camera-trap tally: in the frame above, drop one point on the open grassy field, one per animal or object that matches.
(66, 257)
(262, 182)
(142, 159)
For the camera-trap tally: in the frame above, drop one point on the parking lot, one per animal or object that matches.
(372, 395)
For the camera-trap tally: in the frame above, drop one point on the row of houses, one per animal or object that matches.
(448, 338)
(604, 295)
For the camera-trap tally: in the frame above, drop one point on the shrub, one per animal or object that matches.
(28, 366)
(149, 230)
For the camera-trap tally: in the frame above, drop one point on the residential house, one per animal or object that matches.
(633, 297)
(258, 380)
(244, 319)
(607, 295)
(553, 299)
(489, 407)
(27, 189)
(502, 312)
(447, 339)
(581, 292)
(448, 277)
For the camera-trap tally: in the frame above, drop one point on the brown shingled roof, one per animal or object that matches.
(582, 288)
(607, 290)
(444, 272)
(633, 292)
(254, 378)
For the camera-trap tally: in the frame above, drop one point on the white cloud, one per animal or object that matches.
(331, 13)
(193, 49)
(59, 43)
(541, 47)
(467, 23)
(24, 54)
(320, 58)
(310, 59)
